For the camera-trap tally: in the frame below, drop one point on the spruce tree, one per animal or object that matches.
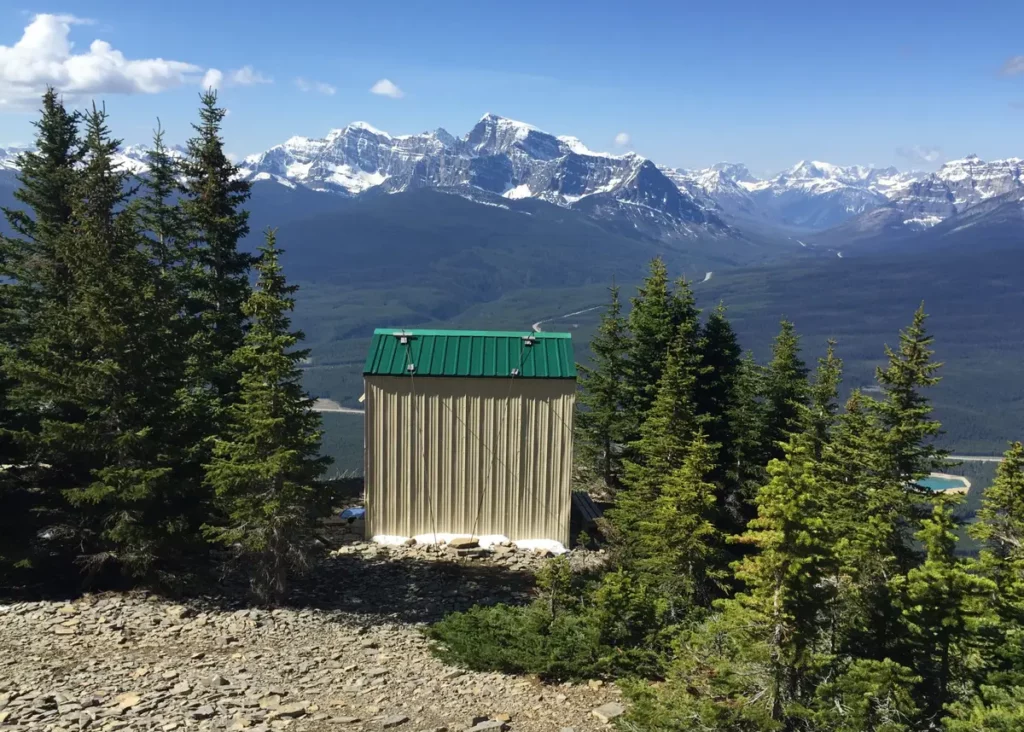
(822, 407)
(1000, 529)
(785, 393)
(905, 412)
(786, 594)
(265, 467)
(678, 548)
(718, 407)
(665, 437)
(214, 194)
(601, 423)
(111, 381)
(941, 601)
(653, 324)
(35, 268)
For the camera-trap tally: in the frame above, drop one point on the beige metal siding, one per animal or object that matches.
(469, 456)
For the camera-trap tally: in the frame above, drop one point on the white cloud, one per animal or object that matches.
(387, 88)
(622, 139)
(245, 76)
(212, 79)
(1013, 66)
(44, 56)
(921, 154)
(314, 86)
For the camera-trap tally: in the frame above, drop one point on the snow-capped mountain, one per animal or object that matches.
(957, 186)
(498, 157)
(9, 157)
(500, 160)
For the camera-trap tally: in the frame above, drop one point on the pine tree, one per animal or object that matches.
(785, 393)
(214, 194)
(601, 424)
(941, 602)
(265, 468)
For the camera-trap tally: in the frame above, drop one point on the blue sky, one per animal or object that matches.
(901, 82)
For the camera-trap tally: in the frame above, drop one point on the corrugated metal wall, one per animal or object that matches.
(469, 456)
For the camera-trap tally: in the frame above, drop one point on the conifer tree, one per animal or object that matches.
(785, 393)
(214, 194)
(718, 395)
(601, 424)
(653, 324)
(785, 594)
(110, 378)
(905, 412)
(35, 270)
(823, 404)
(1000, 529)
(665, 436)
(941, 602)
(679, 547)
(265, 468)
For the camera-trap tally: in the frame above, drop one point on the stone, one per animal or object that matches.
(475, 720)
(203, 712)
(217, 680)
(271, 701)
(453, 674)
(490, 725)
(239, 724)
(128, 700)
(181, 689)
(607, 712)
(346, 720)
(464, 542)
(567, 729)
(502, 717)
(395, 721)
(290, 711)
(374, 673)
(595, 684)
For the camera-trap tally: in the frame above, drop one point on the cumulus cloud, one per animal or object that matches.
(212, 79)
(44, 56)
(622, 139)
(920, 154)
(387, 88)
(319, 87)
(245, 76)
(1013, 66)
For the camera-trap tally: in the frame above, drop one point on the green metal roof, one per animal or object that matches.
(471, 353)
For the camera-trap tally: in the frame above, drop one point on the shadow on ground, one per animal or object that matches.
(377, 588)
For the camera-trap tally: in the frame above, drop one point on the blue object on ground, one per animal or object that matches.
(353, 513)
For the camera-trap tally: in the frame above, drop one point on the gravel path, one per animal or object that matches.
(348, 656)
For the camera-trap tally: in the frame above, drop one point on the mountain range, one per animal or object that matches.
(501, 160)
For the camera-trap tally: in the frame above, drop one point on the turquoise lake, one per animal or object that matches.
(934, 483)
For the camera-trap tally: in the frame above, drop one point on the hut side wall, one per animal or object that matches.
(469, 456)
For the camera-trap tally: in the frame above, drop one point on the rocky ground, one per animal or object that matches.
(348, 654)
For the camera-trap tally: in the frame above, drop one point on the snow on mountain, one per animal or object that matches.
(501, 157)
(498, 156)
(9, 157)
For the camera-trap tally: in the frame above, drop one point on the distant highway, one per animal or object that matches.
(976, 458)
